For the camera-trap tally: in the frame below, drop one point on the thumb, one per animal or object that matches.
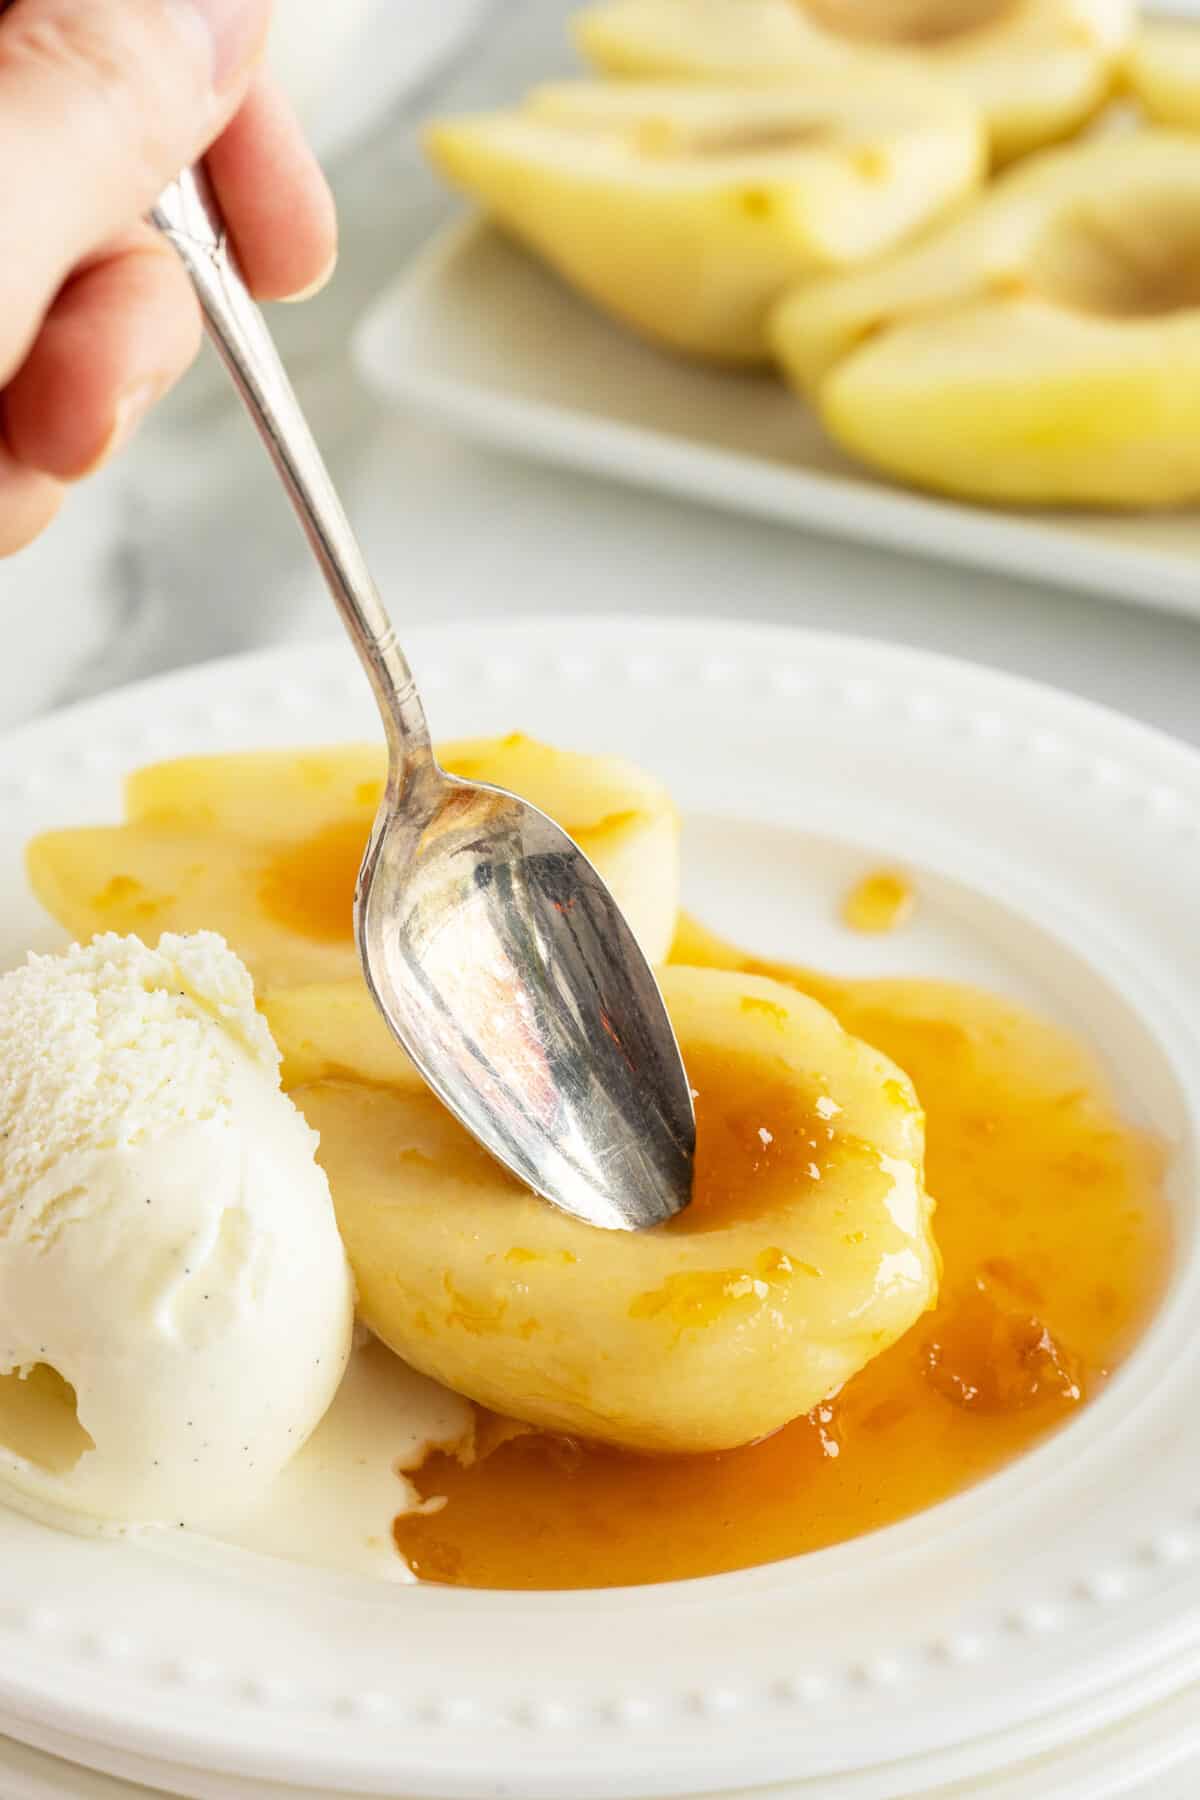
(100, 105)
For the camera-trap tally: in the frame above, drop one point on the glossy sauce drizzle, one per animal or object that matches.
(309, 887)
(1054, 1233)
(880, 902)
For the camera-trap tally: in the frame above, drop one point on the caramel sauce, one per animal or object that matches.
(1053, 1229)
(309, 887)
(758, 1137)
(880, 902)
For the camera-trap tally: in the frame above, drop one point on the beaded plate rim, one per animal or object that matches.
(1126, 1612)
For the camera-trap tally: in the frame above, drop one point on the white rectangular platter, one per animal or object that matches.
(479, 334)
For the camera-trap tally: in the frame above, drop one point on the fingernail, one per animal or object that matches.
(235, 31)
(314, 287)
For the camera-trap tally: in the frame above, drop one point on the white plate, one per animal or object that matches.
(479, 333)
(1153, 1757)
(1058, 856)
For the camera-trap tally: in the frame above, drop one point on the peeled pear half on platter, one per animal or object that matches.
(1164, 71)
(1036, 69)
(1043, 349)
(686, 211)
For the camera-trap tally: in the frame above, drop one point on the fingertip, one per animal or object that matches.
(28, 502)
(314, 287)
(277, 203)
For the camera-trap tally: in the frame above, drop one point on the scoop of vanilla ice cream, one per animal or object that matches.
(167, 1240)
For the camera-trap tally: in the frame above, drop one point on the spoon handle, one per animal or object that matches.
(187, 213)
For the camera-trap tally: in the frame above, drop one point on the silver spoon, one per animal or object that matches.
(493, 949)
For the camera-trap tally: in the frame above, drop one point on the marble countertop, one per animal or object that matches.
(185, 549)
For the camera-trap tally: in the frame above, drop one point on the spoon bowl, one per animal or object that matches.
(505, 967)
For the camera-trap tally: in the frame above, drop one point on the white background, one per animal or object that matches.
(185, 550)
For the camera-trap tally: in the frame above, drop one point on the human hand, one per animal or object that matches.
(101, 103)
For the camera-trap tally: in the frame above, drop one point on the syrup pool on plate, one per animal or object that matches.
(1053, 1230)
(1054, 1234)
